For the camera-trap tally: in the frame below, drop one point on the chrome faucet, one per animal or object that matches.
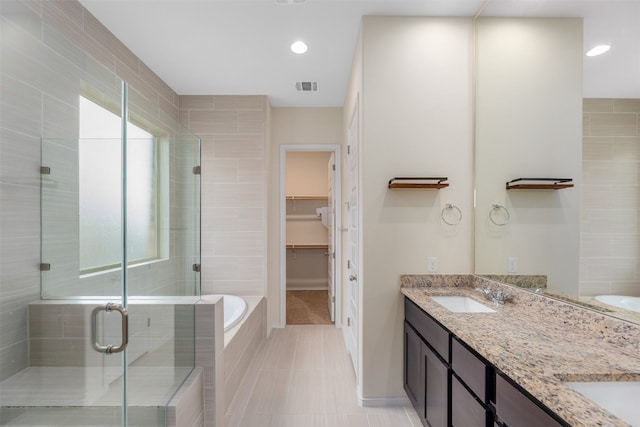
(498, 296)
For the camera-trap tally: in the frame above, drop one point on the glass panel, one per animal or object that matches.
(65, 380)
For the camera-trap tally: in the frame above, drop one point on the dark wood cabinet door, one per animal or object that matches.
(436, 390)
(413, 369)
(466, 411)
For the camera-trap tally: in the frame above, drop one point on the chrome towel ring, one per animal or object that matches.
(499, 215)
(455, 218)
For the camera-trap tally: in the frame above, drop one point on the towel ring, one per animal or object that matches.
(448, 207)
(506, 215)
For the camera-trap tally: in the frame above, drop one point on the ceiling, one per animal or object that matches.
(241, 47)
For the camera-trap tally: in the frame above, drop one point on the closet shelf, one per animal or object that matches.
(307, 197)
(303, 217)
(539, 183)
(296, 246)
(429, 182)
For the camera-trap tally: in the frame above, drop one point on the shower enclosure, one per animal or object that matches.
(112, 338)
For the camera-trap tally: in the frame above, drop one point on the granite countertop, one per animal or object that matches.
(538, 342)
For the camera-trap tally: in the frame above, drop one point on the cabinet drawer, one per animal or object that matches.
(515, 409)
(470, 369)
(432, 332)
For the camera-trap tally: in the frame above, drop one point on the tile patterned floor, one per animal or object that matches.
(301, 376)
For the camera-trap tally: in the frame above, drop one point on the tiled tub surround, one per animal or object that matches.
(538, 342)
(240, 344)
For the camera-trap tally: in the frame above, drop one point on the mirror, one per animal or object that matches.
(572, 243)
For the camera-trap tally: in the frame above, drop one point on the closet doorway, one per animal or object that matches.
(310, 217)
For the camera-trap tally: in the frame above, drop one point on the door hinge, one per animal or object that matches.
(348, 263)
(348, 149)
(333, 299)
(348, 321)
(197, 268)
(197, 170)
(333, 255)
(333, 167)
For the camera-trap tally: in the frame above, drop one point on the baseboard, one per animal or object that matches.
(374, 402)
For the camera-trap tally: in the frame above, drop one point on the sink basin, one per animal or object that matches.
(618, 397)
(459, 304)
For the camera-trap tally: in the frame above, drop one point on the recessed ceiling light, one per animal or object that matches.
(598, 50)
(299, 47)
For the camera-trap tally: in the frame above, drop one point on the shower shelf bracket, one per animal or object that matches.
(419, 182)
(539, 183)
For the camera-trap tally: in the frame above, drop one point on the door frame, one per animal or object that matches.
(336, 149)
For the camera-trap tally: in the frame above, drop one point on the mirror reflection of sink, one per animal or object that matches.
(618, 397)
(459, 304)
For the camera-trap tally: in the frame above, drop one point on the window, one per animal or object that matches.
(100, 191)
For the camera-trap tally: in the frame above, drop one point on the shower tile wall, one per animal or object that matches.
(39, 88)
(610, 229)
(234, 133)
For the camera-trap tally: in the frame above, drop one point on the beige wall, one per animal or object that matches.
(291, 126)
(610, 237)
(529, 104)
(233, 130)
(307, 173)
(416, 121)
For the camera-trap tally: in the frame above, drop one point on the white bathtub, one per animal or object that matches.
(234, 308)
(622, 301)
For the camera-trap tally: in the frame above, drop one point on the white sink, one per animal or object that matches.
(618, 397)
(459, 304)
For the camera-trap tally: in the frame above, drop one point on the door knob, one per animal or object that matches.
(353, 278)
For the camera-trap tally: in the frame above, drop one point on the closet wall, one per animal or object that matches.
(307, 236)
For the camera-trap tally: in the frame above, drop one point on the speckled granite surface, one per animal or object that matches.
(538, 342)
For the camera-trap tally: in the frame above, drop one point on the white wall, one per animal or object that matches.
(417, 121)
(529, 122)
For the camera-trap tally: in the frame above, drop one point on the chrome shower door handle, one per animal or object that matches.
(110, 349)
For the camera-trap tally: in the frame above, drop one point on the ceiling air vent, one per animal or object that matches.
(307, 86)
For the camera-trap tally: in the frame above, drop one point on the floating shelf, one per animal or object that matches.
(539, 183)
(431, 182)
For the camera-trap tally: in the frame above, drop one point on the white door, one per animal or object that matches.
(353, 256)
(331, 220)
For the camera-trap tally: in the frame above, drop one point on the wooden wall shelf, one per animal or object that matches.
(430, 182)
(539, 183)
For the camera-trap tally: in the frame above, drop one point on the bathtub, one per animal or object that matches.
(234, 308)
(621, 301)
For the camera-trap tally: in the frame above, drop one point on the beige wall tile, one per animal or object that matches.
(196, 102)
(239, 146)
(598, 105)
(596, 151)
(614, 124)
(213, 122)
(626, 105)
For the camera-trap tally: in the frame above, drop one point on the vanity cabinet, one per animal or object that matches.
(451, 385)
